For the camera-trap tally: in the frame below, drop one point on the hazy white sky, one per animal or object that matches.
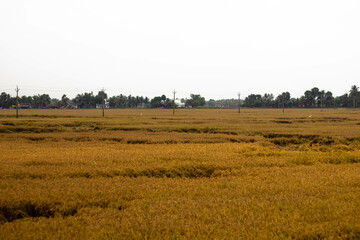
(215, 48)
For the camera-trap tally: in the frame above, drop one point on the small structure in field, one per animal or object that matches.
(22, 106)
(52, 106)
(106, 105)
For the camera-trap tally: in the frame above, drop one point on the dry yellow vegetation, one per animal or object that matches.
(201, 174)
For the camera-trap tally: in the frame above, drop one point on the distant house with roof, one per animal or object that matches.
(22, 106)
(179, 104)
(52, 106)
(106, 105)
(73, 105)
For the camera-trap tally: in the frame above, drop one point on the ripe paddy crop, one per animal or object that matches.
(201, 174)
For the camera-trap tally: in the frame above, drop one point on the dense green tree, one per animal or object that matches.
(146, 100)
(253, 100)
(4, 99)
(131, 101)
(64, 101)
(287, 100)
(268, 100)
(85, 99)
(161, 101)
(195, 100)
(99, 96)
(295, 102)
(312, 98)
(122, 101)
(113, 102)
(343, 100)
(328, 99)
(308, 99)
(55, 101)
(25, 99)
(40, 101)
(211, 103)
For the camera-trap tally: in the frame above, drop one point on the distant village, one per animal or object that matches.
(313, 98)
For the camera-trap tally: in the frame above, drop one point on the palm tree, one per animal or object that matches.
(64, 100)
(329, 99)
(315, 95)
(354, 91)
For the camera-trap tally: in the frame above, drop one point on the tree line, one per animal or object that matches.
(312, 98)
(90, 100)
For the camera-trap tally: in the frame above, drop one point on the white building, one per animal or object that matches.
(106, 105)
(179, 104)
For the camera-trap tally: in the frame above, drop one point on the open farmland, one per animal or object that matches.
(201, 174)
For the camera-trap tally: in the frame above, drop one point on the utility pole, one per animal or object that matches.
(283, 102)
(238, 102)
(17, 101)
(174, 92)
(103, 102)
